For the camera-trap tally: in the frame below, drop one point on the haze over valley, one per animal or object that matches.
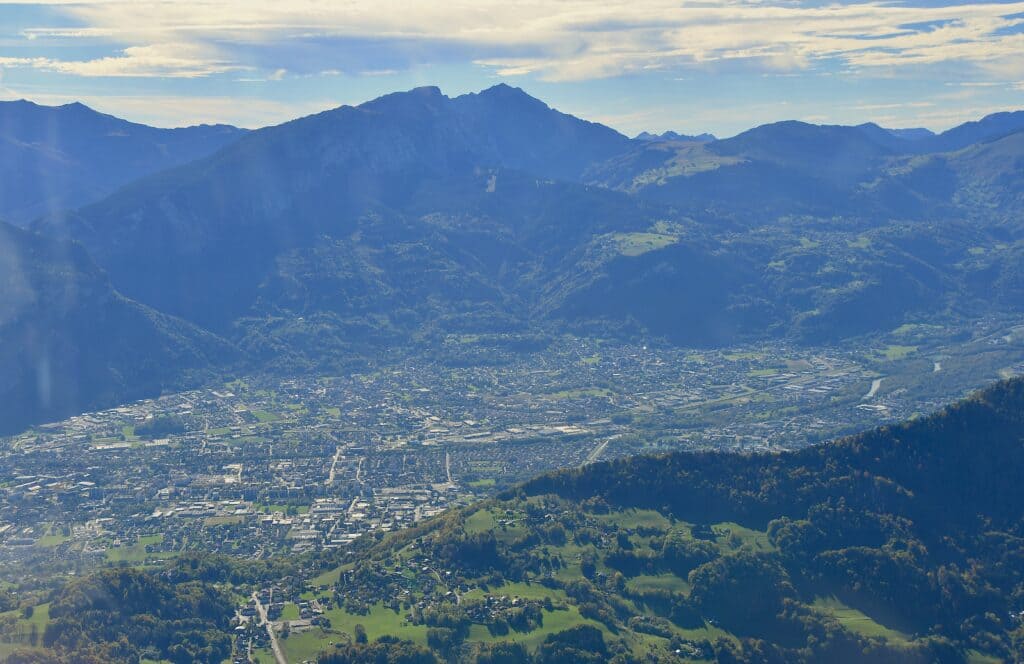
(499, 383)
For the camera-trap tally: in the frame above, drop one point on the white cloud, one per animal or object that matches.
(568, 40)
(178, 60)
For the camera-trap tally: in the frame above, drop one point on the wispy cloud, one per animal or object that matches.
(564, 41)
(170, 60)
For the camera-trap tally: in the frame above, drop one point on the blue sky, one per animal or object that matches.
(719, 66)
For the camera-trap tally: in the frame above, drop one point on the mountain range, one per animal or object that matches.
(417, 215)
(70, 342)
(59, 157)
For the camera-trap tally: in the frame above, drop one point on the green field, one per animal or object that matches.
(137, 552)
(330, 577)
(263, 655)
(379, 622)
(52, 538)
(757, 373)
(523, 590)
(554, 621)
(40, 618)
(265, 416)
(637, 244)
(857, 621)
(633, 518)
(756, 539)
(480, 521)
(895, 352)
(658, 582)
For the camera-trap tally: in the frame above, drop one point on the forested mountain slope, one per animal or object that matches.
(69, 342)
(902, 544)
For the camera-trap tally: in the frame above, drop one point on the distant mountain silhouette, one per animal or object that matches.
(912, 133)
(673, 136)
(57, 157)
(988, 128)
(69, 342)
(415, 216)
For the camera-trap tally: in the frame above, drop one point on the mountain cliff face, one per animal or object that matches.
(69, 342)
(54, 158)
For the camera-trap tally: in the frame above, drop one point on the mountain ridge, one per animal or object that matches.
(417, 215)
(70, 343)
(58, 157)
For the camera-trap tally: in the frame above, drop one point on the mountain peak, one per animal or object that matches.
(426, 91)
(650, 137)
(504, 89)
(502, 93)
(407, 100)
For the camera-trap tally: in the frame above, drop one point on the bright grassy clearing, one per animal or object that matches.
(265, 416)
(756, 539)
(533, 591)
(330, 577)
(757, 373)
(480, 521)
(554, 622)
(22, 628)
(485, 520)
(137, 552)
(857, 621)
(895, 352)
(708, 632)
(305, 646)
(658, 582)
(634, 518)
(735, 357)
(637, 244)
(53, 538)
(380, 621)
